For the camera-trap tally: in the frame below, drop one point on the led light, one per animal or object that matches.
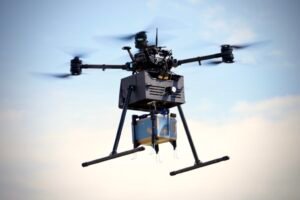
(171, 90)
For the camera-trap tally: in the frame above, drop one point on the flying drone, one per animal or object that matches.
(153, 88)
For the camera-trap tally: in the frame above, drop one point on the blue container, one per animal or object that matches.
(165, 130)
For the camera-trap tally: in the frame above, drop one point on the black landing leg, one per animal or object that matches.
(198, 163)
(114, 153)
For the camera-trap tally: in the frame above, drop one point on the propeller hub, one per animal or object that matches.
(75, 66)
(226, 50)
(141, 40)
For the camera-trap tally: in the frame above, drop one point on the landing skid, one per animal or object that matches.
(199, 165)
(113, 156)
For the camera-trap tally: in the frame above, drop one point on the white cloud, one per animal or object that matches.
(275, 107)
(219, 27)
(262, 139)
(264, 159)
(240, 34)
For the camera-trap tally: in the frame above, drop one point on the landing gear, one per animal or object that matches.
(198, 163)
(153, 129)
(114, 153)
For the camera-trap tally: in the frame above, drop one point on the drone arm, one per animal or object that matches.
(226, 55)
(200, 58)
(104, 66)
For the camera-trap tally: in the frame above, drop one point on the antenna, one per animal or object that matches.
(156, 38)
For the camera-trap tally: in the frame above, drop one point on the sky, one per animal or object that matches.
(249, 110)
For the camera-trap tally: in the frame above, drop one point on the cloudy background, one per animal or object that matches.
(248, 110)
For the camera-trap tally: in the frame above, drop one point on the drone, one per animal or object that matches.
(153, 88)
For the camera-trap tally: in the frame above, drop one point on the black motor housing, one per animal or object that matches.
(75, 66)
(227, 51)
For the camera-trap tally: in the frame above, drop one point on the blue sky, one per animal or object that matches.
(247, 109)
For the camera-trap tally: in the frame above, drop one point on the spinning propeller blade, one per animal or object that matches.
(236, 47)
(247, 45)
(60, 75)
(76, 54)
(80, 52)
(128, 37)
(214, 62)
(53, 75)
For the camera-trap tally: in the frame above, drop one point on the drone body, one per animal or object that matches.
(152, 92)
(154, 88)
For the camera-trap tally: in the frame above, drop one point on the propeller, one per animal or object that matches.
(129, 37)
(53, 75)
(80, 53)
(121, 38)
(165, 24)
(214, 62)
(248, 45)
(61, 75)
(76, 56)
(151, 40)
(236, 47)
